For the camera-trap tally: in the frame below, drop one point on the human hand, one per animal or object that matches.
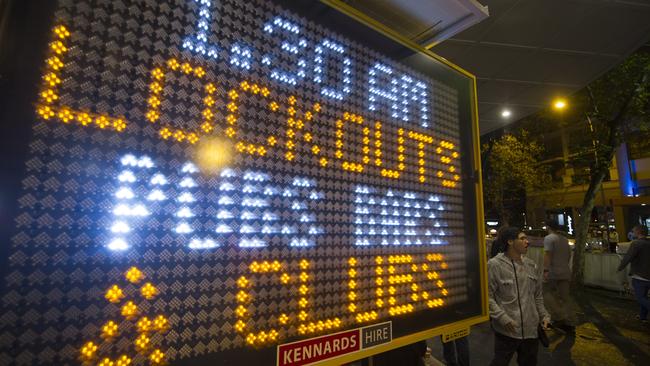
(546, 324)
(510, 327)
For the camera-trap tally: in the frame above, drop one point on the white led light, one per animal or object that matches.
(251, 243)
(316, 195)
(223, 229)
(198, 42)
(129, 160)
(118, 244)
(189, 168)
(228, 173)
(269, 216)
(225, 200)
(126, 176)
(158, 179)
(254, 202)
(247, 215)
(120, 227)
(255, 176)
(249, 189)
(145, 162)
(202, 244)
(270, 191)
(223, 214)
(301, 242)
(156, 195)
(226, 187)
(247, 229)
(184, 212)
(287, 230)
(188, 182)
(186, 197)
(268, 229)
(302, 182)
(241, 56)
(124, 193)
(130, 210)
(183, 228)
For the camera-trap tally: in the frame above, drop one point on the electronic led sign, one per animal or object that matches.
(208, 180)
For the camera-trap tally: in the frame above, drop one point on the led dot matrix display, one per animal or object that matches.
(342, 201)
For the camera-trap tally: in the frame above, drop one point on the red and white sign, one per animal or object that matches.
(318, 349)
(309, 351)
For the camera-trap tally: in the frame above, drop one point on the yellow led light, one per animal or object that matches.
(88, 350)
(124, 360)
(144, 324)
(49, 95)
(105, 362)
(240, 311)
(54, 63)
(304, 276)
(52, 79)
(303, 302)
(45, 112)
(148, 291)
(61, 31)
(109, 329)
(240, 325)
(302, 315)
(129, 309)
(156, 356)
(134, 275)
(283, 318)
(352, 308)
(323, 162)
(65, 115)
(160, 323)
(142, 342)
(242, 296)
(114, 294)
(250, 339)
(303, 289)
(199, 72)
(352, 272)
(285, 278)
(352, 284)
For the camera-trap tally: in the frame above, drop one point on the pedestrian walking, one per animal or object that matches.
(613, 240)
(516, 301)
(638, 256)
(557, 277)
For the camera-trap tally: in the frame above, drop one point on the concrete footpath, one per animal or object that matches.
(607, 334)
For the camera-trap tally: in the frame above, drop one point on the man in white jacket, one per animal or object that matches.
(516, 300)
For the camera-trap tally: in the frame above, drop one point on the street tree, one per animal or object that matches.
(510, 169)
(614, 107)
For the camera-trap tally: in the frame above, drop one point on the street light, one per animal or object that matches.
(559, 104)
(506, 113)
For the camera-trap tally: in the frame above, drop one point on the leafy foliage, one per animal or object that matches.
(510, 169)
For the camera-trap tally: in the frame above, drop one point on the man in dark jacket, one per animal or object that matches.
(638, 255)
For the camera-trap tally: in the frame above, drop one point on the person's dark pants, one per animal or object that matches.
(641, 289)
(505, 347)
(456, 352)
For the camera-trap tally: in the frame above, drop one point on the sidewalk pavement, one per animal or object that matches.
(607, 334)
